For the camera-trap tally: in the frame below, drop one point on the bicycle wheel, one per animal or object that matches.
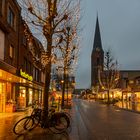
(36, 121)
(69, 128)
(59, 123)
(63, 122)
(68, 115)
(23, 125)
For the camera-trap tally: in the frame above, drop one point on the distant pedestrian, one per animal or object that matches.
(129, 98)
(52, 98)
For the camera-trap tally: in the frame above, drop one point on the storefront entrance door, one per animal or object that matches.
(2, 97)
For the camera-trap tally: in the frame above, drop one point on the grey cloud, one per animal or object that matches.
(120, 29)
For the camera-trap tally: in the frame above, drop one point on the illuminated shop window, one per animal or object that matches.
(30, 97)
(2, 96)
(21, 101)
(9, 92)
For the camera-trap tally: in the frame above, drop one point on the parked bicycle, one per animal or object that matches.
(57, 122)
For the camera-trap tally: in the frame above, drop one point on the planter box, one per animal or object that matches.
(9, 108)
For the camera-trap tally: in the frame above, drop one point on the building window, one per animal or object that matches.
(25, 64)
(42, 77)
(138, 82)
(0, 7)
(24, 40)
(2, 44)
(10, 17)
(11, 51)
(30, 68)
(37, 75)
(33, 72)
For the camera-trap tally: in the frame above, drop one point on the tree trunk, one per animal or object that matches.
(46, 88)
(108, 99)
(67, 88)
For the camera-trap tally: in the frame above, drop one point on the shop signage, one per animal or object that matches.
(25, 75)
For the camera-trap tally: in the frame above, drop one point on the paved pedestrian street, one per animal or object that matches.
(90, 121)
(104, 122)
(7, 121)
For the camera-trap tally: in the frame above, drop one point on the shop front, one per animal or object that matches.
(2, 96)
(33, 91)
(30, 96)
(7, 92)
(27, 95)
(17, 93)
(21, 98)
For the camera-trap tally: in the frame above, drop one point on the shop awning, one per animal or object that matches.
(9, 77)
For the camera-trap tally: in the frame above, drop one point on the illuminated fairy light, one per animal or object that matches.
(74, 17)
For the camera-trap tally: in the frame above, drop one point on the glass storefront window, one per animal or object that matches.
(40, 97)
(7, 97)
(21, 101)
(36, 95)
(2, 96)
(9, 94)
(30, 97)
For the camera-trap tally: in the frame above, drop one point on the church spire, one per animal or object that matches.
(97, 56)
(97, 37)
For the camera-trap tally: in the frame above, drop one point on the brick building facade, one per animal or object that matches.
(21, 79)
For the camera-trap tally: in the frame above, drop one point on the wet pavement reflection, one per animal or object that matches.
(7, 121)
(42, 135)
(105, 122)
(90, 121)
(133, 106)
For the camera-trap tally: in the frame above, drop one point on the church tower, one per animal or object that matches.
(97, 56)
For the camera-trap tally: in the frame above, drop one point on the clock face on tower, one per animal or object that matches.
(97, 49)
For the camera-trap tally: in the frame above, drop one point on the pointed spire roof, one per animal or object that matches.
(97, 36)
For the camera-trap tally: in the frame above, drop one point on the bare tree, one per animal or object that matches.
(49, 18)
(68, 52)
(109, 77)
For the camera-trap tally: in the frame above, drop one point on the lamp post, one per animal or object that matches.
(63, 92)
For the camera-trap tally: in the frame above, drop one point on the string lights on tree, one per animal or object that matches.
(47, 20)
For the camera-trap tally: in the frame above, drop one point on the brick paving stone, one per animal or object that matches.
(90, 121)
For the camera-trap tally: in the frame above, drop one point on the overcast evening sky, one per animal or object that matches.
(119, 22)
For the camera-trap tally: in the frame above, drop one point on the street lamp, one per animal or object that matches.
(63, 92)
